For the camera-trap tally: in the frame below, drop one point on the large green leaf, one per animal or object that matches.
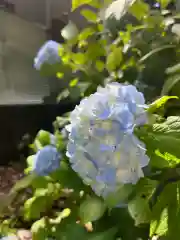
(91, 209)
(166, 213)
(139, 210)
(163, 140)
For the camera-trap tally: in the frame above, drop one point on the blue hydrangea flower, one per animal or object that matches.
(102, 147)
(48, 53)
(46, 161)
(157, 5)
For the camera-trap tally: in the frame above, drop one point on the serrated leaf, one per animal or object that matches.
(163, 138)
(91, 209)
(159, 103)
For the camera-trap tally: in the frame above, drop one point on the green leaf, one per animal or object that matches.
(160, 226)
(43, 137)
(89, 15)
(91, 209)
(70, 31)
(159, 103)
(40, 229)
(100, 65)
(23, 183)
(49, 70)
(170, 84)
(173, 69)
(30, 160)
(166, 213)
(120, 197)
(138, 205)
(60, 216)
(163, 139)
(107, 235)
(67, 178)
(79, 58)
(85, 33)
(164, 3)
(73, 82)
(70, 231)
(114, 59)
(155, 51)
(35, 206)
(139, 210)
(139, 9)
(63, 95)
(78, 3)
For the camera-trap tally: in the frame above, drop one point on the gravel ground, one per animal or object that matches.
(9, 176)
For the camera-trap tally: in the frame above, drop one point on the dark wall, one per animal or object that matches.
(16, 121)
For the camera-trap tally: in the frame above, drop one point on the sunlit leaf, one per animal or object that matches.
(91, 209)
(69, 31)
(114, 59)
(89, 15)
(159, 103)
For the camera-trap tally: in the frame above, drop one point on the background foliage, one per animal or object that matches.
(137, 46)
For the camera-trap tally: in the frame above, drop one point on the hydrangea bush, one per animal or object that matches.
(110, 170)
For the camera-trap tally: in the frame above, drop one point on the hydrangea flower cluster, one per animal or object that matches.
(48, 53)
(102, 147)
(46, 161)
